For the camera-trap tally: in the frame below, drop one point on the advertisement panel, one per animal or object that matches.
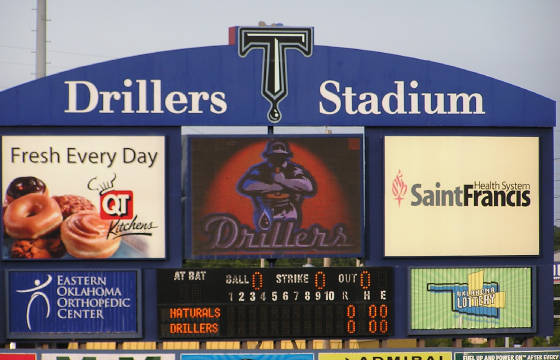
(13, 356)
(472, 300)
(100, 197)
(248, 356)
(273, 197)
(106, 356)
(401, 355)
(275, 303)
(461, 196)
(79, 304)
(509, 355)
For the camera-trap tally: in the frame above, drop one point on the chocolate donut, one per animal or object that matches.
(24, 185)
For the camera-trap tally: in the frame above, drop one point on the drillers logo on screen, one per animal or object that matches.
(478, 193)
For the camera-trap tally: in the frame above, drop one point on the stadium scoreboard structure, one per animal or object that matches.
(444, 196)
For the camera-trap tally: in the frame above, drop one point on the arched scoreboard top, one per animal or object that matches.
(303, 84)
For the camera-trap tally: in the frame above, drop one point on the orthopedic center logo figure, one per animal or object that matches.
(35, 294)
(277, 187)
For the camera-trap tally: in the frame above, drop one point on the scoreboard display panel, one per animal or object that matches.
(275, 303)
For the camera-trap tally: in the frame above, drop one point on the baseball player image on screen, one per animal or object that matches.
(277, 187)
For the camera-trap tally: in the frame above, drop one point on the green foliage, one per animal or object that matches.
(554, 340)
(438, 342)
(252, 263)
(237, 263)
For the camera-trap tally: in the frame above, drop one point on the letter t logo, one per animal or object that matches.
(275, 41)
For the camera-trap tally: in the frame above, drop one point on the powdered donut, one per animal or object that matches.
(31, 216)
(85, 236)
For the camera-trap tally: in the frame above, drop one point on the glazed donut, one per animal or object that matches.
(24, 185)
(31, 216)
(85, 236)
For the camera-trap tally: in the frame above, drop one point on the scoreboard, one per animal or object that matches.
(337, 302)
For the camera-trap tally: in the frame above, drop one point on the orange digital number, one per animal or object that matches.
(351, 326)
(372, 311)
(383, 310)
(383, 323)
(365, 279)
(351, 323)
(350, 311)
(383, 326)
(372, 326)
(257, 280)
(320, 280)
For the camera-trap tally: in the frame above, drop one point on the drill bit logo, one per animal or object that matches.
(275, 42)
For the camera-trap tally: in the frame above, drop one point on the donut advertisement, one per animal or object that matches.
(270, 196)
(83, 197)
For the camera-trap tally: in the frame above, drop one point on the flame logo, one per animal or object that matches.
(399, 187)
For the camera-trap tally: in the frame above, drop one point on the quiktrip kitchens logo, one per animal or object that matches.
(478, 193)
(118, 206)
(114, 204)
(476, 297)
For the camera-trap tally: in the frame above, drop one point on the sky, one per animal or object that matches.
(515, 41)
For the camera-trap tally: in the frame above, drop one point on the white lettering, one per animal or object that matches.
(400, 101)
(398, 96)
(454, 99)
(330, 96)
(176, 102)
(218, 106)
(176, 98)
(73, 96)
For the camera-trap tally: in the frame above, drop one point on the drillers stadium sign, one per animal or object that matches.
(295, 87)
